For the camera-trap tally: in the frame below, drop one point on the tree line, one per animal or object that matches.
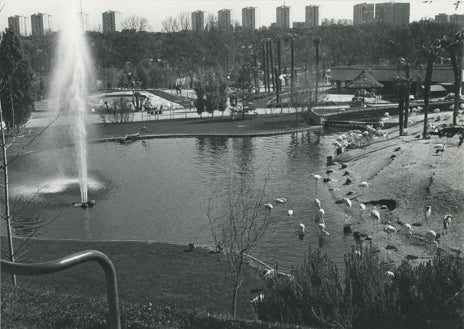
(144, 59)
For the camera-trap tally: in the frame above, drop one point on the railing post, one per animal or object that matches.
(70, 261)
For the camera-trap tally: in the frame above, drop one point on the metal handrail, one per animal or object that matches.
(70, 261)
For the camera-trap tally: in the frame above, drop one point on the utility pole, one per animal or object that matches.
(7, 197)
(401, 91)
(406, 95)
(292, 70)
(278, 74)
(317, 42)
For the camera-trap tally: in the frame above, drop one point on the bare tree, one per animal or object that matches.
(170, 25)
(136, 23)
(211, 22)
(238, 222)
(454, 44)
(183, 20)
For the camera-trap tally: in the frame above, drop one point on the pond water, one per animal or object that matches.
(159, 190)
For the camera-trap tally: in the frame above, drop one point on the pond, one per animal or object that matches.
(159, 190)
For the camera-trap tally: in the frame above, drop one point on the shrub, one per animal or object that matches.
(425, 296)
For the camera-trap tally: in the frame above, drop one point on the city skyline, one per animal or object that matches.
(266, 9)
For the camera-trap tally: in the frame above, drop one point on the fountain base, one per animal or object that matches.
(84, 205)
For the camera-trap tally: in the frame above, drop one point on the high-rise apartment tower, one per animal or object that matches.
(224, 19)
(363, 13)
(311, 16)
(41, 24)
(198, 21)
(111, 21)
(249, 18)
(392, 13)
(19, 25)
(283, 17)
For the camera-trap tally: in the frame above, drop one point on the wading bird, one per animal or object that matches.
(408, 227)
(362, 209)
(389, 229)
(363, 185)
(322, 230)
(446, 222)
(428, 212)
(375, 215)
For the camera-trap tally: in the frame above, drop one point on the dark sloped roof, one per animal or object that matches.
(364, 81)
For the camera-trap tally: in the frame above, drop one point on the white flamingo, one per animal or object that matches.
(446, 222)
(390, 274)
(363, 185)
(318, 203)
(362, 209)
(280, 200)
(317, 178)
(431, 237)
(301, 229)
(428, 212)
(348, 205)
(389, 229)
(268, 206)
(321, 214)
(375, 215)
(322, 230)
(409, 228)
(290, 212)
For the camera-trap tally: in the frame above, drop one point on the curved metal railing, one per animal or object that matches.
(70, 261)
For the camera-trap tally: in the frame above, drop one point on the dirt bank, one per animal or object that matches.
(405, 174)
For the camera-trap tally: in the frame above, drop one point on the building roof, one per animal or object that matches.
(364, 81)
(385, 73)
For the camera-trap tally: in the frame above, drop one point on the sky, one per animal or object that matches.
(157, 10)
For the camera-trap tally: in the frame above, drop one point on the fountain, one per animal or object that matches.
(69, 88)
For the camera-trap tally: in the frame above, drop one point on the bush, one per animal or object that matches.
(366, 297)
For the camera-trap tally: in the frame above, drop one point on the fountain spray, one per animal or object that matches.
(69, 85)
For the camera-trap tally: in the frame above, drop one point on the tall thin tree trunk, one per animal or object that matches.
(234, 302)
(427, 83)
(7, 197)
(401, 95)
(272, 66)
(456, 62)
(406, 96)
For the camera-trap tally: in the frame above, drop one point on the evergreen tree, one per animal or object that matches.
(16, 93)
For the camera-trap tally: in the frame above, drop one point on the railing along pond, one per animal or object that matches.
(70, 261)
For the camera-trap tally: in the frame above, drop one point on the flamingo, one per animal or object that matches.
(348, 204)
(269, 206)
(390, 274)
(301, 229)
(322, 229)
(321, 215)
(389, 229)
(318, 203)
(440, 148)
(375, 215)
(446, 222)
(428, 212)
(409, 228)
(432, 237)
(363, 185)
(317, 178)
(362, 209)
(290, 212)
(280, 200)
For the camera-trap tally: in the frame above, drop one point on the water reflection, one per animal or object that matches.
(158, 190)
